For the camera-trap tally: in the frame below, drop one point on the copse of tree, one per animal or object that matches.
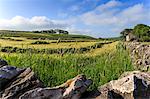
(49, 31)
(140, 31)
(36, 31)
(52, 32)
(56, 31)
(63, 32)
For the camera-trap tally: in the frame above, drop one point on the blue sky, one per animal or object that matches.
(98, 18)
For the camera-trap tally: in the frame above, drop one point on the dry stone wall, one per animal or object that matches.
(140, 55)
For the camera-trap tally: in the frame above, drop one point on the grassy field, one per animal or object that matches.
(28, 43)
(53, 70)
(101, 64)
(30, 35)
(22, 45)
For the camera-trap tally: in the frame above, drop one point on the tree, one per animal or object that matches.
(142, 31)
(66, 32)
(63, 32)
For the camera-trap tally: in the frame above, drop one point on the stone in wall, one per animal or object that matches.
(140, 54)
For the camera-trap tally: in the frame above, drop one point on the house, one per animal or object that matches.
(130, 37)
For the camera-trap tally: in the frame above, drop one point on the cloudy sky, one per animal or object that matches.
(98, 18)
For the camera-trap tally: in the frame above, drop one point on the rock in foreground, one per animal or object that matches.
(7, 73)
(3, 63)
(131, 85)
(72, 89)
(25, 81)
(18, 83)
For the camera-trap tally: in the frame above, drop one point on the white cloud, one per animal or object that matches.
(135, 14)
(103, 14)
(75, 30)
(40, 23)
(114, 17)
(108, 5)
(83, 4)
(34, 23)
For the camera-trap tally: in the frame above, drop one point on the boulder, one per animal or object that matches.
(25, 81)
(7, 73)
(72, 89)
(3, 63)
(131, 85)
(22, 83)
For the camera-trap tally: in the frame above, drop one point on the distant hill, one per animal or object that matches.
(111, 38)
(43, 35)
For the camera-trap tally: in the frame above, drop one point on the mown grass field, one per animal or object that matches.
(100, 64)
(27, 44)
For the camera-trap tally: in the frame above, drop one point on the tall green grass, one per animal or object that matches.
(55, 69)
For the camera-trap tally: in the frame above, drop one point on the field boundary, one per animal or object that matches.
(9, 49)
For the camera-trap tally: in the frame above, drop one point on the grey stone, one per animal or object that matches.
(7, 73)
(131, 85)
(3, 63)
(140, 54)
(25, 81)
(72, 89)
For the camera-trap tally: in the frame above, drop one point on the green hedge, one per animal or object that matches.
(40, 42)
